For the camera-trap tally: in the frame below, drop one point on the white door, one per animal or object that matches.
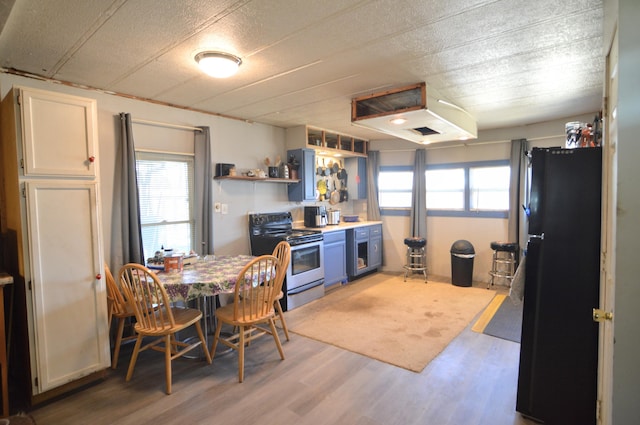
(69, 325)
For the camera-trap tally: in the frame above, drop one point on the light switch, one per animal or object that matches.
(225, 208)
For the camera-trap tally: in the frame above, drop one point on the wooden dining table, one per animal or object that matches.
(204, 278)
(203, 281)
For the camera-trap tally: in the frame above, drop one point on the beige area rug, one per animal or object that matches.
(406, 324)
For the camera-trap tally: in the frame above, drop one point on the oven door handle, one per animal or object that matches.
(305, 287)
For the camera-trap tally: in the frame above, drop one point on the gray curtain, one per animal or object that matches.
(419, 196)
(203, 183)
(518, 164)
(132, 250)
(373, 168)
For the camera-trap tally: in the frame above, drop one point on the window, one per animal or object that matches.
(489, 188)
(165, 190)
(445, 189)
(479, 189)
(394, 187)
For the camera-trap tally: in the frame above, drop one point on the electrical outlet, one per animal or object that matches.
(225, 208)
(217, 207)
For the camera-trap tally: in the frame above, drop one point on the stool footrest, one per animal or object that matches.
(415, 268)
(505, 275)
(499, 261)
(416, 257)
(504, 261)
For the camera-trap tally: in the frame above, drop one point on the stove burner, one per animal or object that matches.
(277, 227)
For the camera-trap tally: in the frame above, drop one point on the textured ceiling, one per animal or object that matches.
(507, 62)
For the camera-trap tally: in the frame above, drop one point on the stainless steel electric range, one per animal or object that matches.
(305, 276)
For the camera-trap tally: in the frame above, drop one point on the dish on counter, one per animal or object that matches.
(350, 218)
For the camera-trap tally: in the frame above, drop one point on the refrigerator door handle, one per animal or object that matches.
(540, 236)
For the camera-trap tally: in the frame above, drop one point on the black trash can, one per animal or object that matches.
(462, 254)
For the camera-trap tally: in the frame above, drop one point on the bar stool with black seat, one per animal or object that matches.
(503, 265)
(416, 256)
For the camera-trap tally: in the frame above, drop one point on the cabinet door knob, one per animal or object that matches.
(98, 276)
(92, 159)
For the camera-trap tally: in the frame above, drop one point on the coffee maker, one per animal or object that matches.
(315, 216)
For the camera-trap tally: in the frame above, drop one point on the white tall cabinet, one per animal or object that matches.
(50, 178)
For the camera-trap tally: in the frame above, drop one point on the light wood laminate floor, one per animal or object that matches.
(473, 381)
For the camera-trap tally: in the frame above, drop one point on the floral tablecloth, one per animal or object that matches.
(205, 278)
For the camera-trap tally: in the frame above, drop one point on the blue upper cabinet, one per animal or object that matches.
(305, 190)
(356, 177)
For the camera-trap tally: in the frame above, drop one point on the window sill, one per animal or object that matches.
(400, 212)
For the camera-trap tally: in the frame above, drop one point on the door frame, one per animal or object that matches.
(608, 260)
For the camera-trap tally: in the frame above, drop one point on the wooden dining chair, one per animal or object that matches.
(119, 309)
(156, 318)
(256, 288)
(282, 252)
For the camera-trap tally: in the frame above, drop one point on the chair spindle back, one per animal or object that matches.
(147, 296)
(256, 288)
(282, 252)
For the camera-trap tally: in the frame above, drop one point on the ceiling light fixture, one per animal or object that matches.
(398, 121)
(218, 64)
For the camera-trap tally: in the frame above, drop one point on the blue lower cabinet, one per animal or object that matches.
(375, 246)
(335, 257)
(357, 251)
(364, 250)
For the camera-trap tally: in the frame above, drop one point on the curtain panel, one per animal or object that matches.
(203, 196)
(419, 196)
(517, 189)
(131, 229)
(373, 169)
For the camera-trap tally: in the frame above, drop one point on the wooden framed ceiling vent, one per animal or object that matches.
(413, 113)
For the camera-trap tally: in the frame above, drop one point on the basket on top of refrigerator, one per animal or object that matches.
(583, 135)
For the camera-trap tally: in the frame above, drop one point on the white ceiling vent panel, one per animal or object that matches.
(413, 113)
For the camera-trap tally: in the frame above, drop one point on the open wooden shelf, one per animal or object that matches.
(325, 142)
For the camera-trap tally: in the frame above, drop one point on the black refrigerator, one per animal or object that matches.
(557, 381)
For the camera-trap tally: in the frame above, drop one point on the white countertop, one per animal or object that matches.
(335, 227)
